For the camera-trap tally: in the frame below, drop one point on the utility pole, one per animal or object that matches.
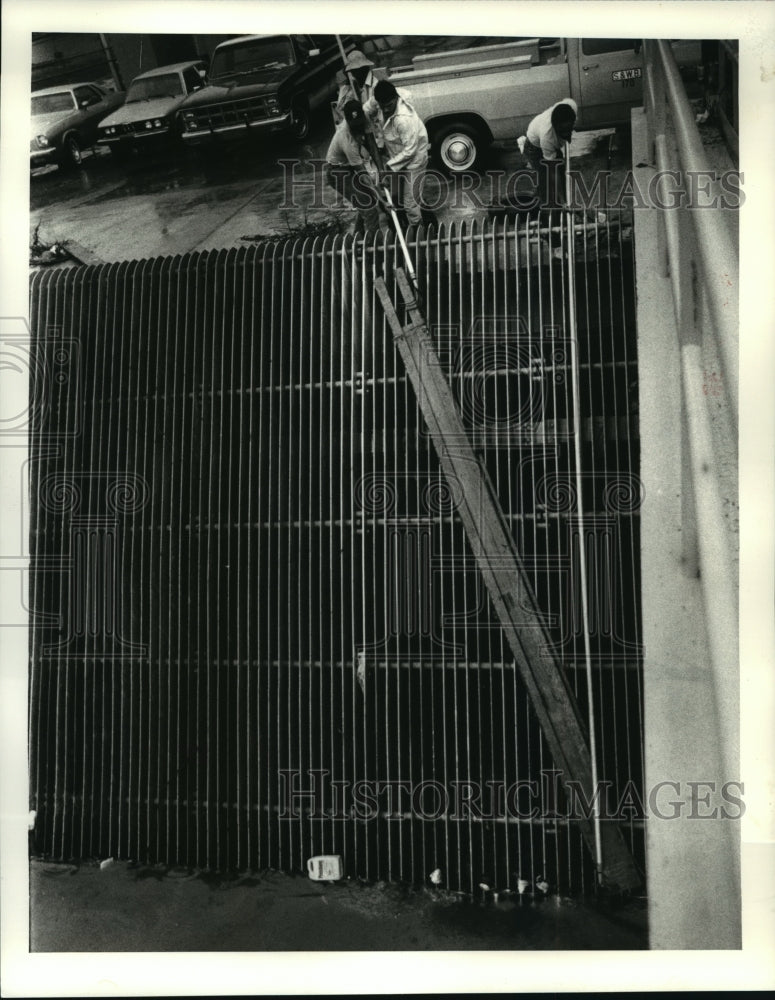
(111, 60)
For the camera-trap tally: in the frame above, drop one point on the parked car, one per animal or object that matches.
(148, 116)
(263, 83)
(65, 121)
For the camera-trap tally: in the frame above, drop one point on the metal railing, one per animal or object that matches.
(697, 251)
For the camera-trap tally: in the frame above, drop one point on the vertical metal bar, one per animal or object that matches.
(561, 419)
(233, 394)
(181, 539)
(291, 607)
(522, 251)
(274, 855)
(242, 376)
(582, 548)
(303, 517)
(165, 371)
(440, 753)
(517, 527)
(60, 665)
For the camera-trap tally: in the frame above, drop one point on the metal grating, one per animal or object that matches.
(247, 570)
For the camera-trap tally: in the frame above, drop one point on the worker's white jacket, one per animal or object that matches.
(406, 139)
(346, 92)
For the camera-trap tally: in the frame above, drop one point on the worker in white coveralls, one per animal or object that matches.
(544, 148)
(349, 167)
(406, 145)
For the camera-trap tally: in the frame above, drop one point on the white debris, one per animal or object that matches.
(325, 868)
(522, 884)
(31, 819)
(435, 876)
(106, 863)
(542, 885)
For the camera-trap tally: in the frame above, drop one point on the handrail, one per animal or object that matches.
(717, 254)
(699, 237)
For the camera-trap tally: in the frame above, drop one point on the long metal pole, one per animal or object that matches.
(377, 157)
(580, 506)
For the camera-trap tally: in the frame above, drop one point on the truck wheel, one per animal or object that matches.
(299, 120)
(458, 147)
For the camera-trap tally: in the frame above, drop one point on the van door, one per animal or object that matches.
(610, 75)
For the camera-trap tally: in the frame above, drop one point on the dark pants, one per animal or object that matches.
(353, 184)
(542, 169)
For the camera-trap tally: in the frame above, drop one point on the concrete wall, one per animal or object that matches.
(693, 857)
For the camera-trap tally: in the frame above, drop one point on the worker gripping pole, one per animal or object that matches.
(376, 156)
(579, 500)
(503, 573)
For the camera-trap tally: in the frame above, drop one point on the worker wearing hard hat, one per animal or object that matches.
(360, 68)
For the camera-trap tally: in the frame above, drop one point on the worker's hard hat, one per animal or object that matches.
(356, 59)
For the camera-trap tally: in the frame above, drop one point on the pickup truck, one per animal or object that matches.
(469, 98)
(262, 84)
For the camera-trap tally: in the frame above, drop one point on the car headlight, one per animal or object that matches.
(189, 120)
(273, 106)
(157, 123)
(149, 124)
(42, 141)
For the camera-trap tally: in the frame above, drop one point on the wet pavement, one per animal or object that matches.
(128, 907)
(158, 205)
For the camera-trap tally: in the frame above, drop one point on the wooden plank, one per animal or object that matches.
(507, 582)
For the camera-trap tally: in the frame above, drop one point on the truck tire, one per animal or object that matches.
(458, 147)
(299, 120)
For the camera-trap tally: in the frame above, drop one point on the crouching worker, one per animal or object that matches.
(544, 149)
(349, 168)
(406, 144)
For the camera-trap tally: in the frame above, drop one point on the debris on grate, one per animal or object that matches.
(436, 876)
(106, 863)
(360, 672)
(325, 868)
(46, 253)
(330, 224)
(542, 885)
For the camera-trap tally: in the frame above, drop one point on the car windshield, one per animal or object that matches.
(47, 104)
(168, 85)
(258, 53)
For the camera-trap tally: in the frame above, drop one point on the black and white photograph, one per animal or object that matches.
(387, 480)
